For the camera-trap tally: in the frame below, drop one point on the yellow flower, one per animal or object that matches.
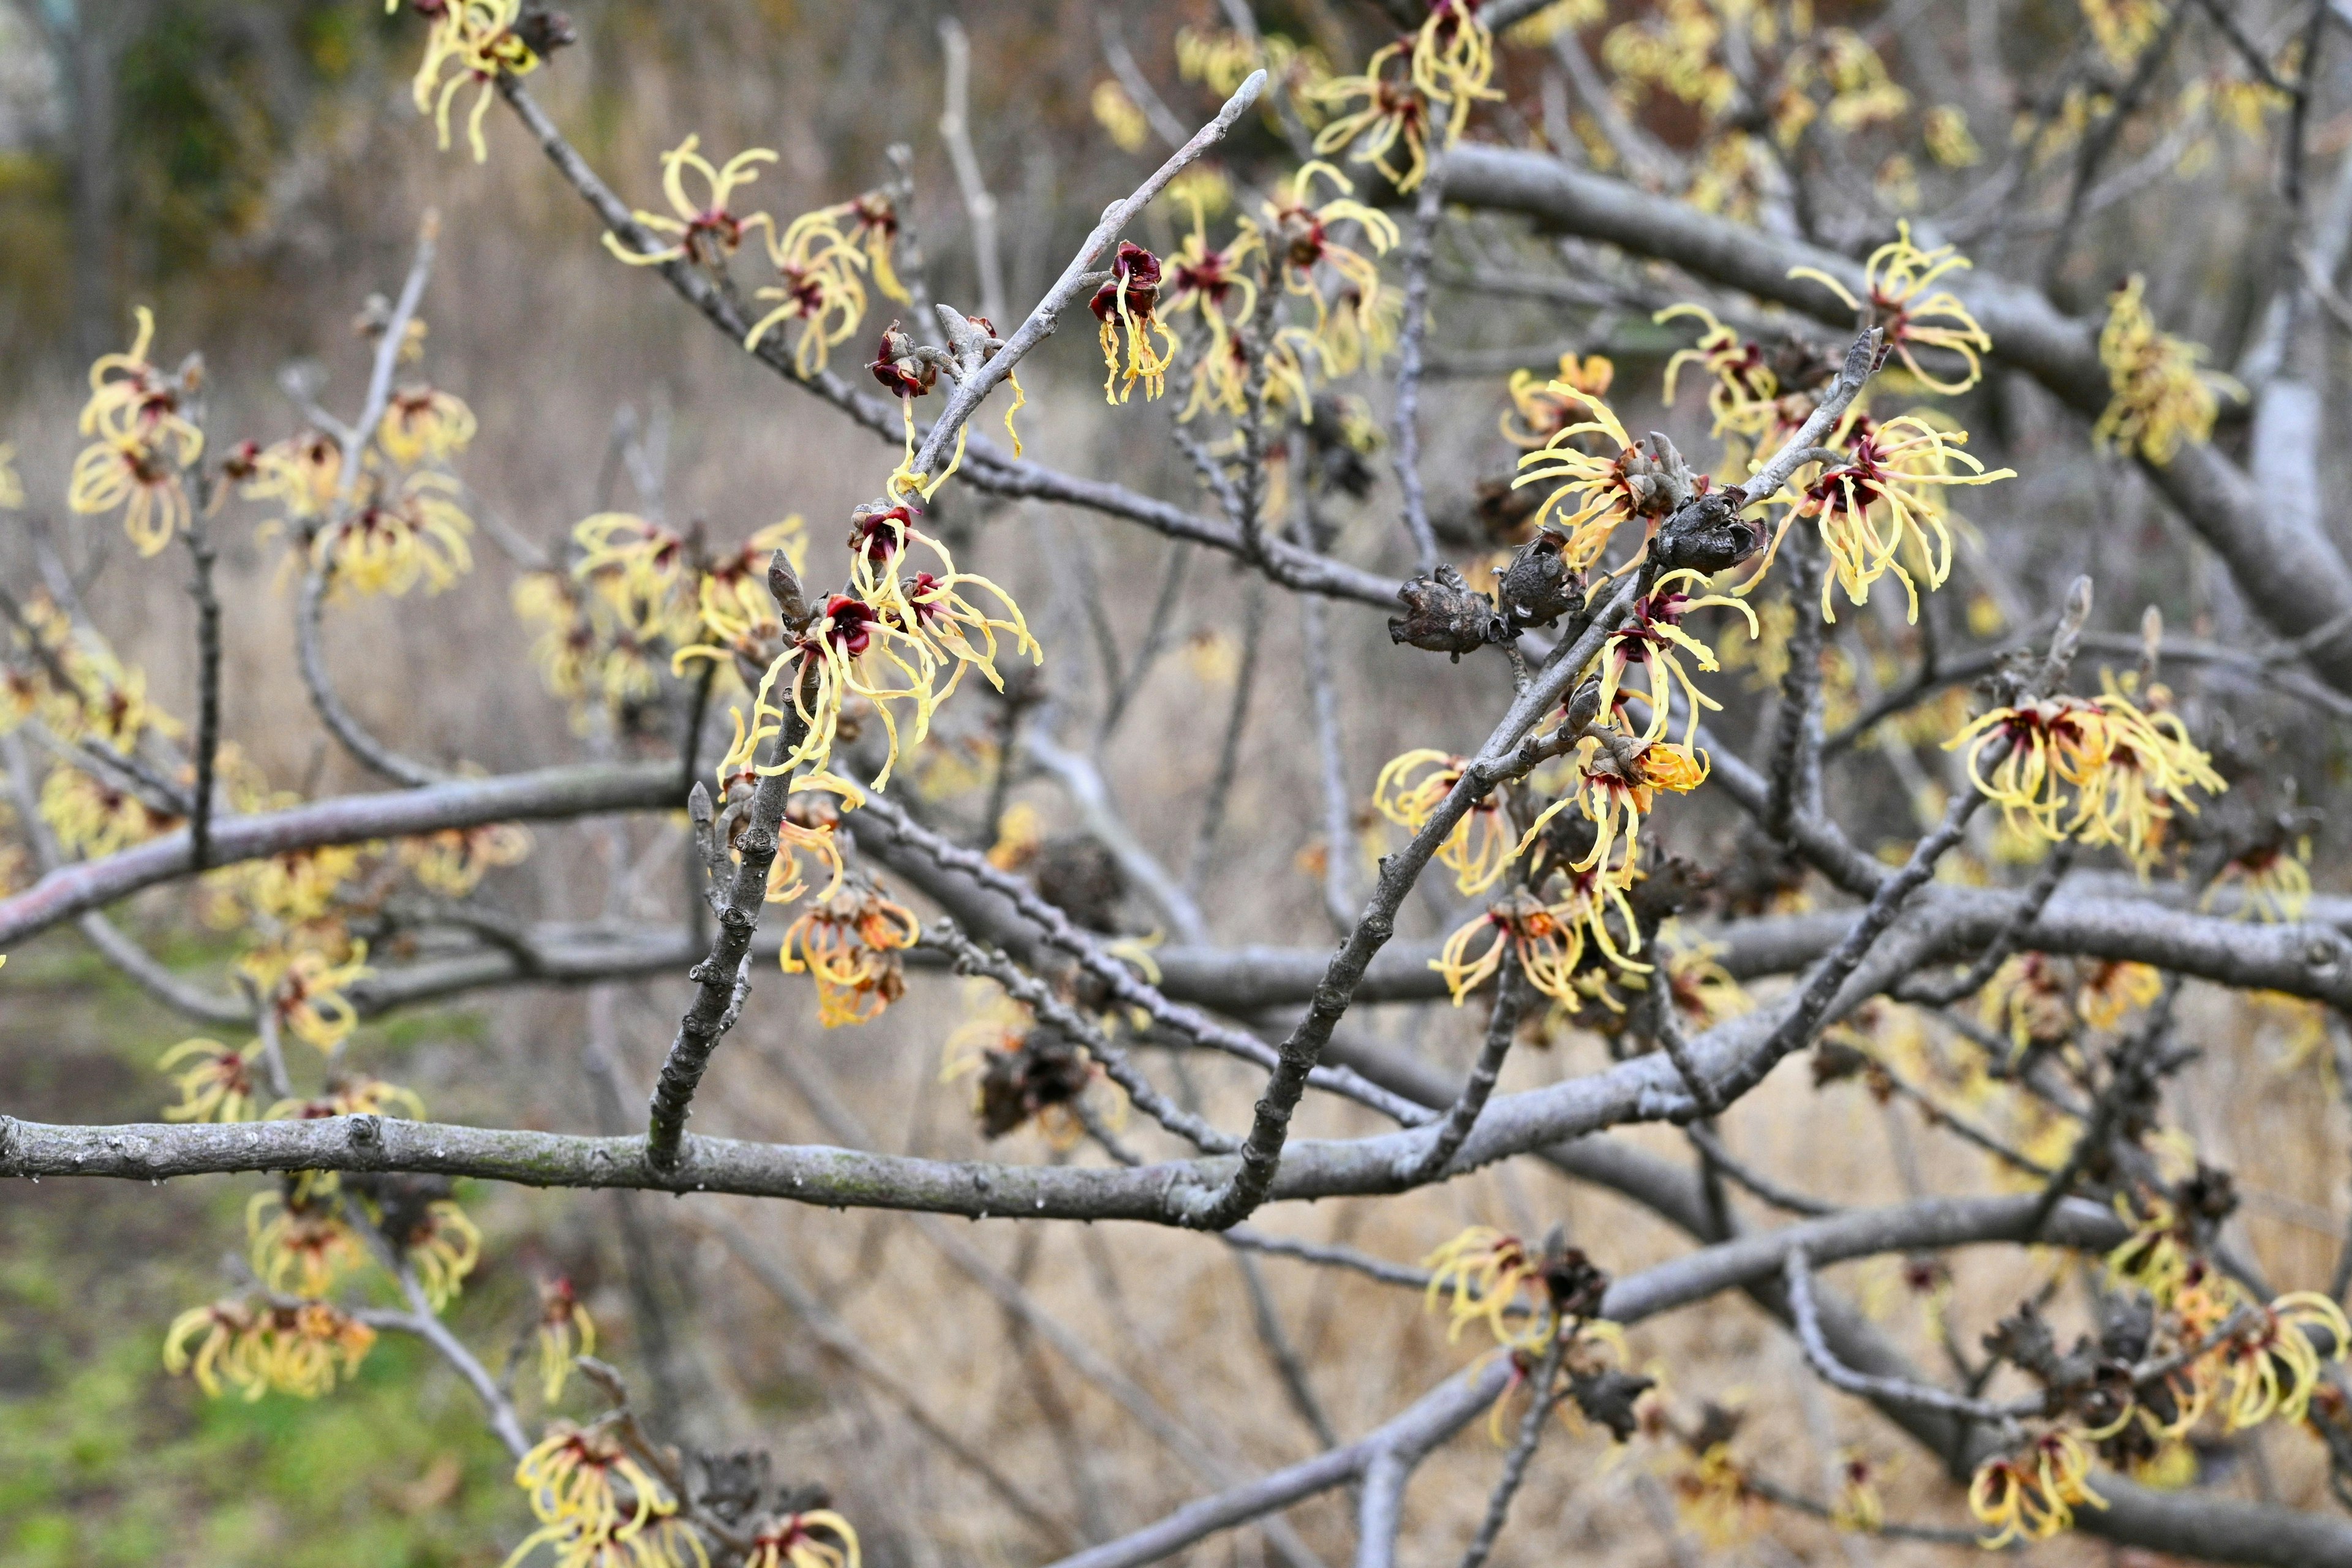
(1945, 129)
(1712, 1495)
(220, 1087)
(1393, 114)
(301, 473)
(442, 1245)
(12, 488)
(1883, 499)
(471, 41)
(2161, 396)
(307, 990)
(141, 477)
(294, 1350)
(1547, 939)
(2273, 881)
(1296, 238)
(820, 285)
(1543, 413)
(1653, 639)
(304, 1238)
(565, 1330)
(1125, 307)
(420, 424)
(1117, 114)
(2110, 991)
(818, 1538)
(1481, 1271)
(2051, 743)
(2123, 29)
(1407, 792)
(454, 861)
(2031, 1495)
(2274, 1368)
(393, 541)
(1603, 490)
(1617, 781)
(1676, 52)
(1905, 303)
(2130, 804)
(92, 819)
(569, 1476)
(1453, 60)
(851, 945)
(1857, 1507)
(707, 231)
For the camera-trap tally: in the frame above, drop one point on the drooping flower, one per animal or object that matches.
(850, 943)
(299, 1234)
(1392, 115)
(394, 539)
(1407, 792)
(1652, 639)
(1480, 1272)
(2274, 1366)
(297, 1349)
(569, 1476)
(1126, 307)
(2045, 746)
(1617, 781)
(306, 989)
(2272, 880)
(565, 1330)
(1543, 413)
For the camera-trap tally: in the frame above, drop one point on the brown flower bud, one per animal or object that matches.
(1538, 588)
(786, 586)
(1443, 614)
(1657, 479)
(1707, 535)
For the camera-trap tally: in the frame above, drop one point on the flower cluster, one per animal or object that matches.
(297, 1349)
(2123, 770)
(2163, 397)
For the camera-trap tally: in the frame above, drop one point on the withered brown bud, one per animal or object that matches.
(1708, 535)
(544, 29)
(1834, 1062)
(1575, 1283)
(1657, 479)
(1538, 587)
(1607, 1399)
(1082, 879)
(2024, 1341)
(1674, 880)
(1045, 1070)
(785, 584)
(1443, 614)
